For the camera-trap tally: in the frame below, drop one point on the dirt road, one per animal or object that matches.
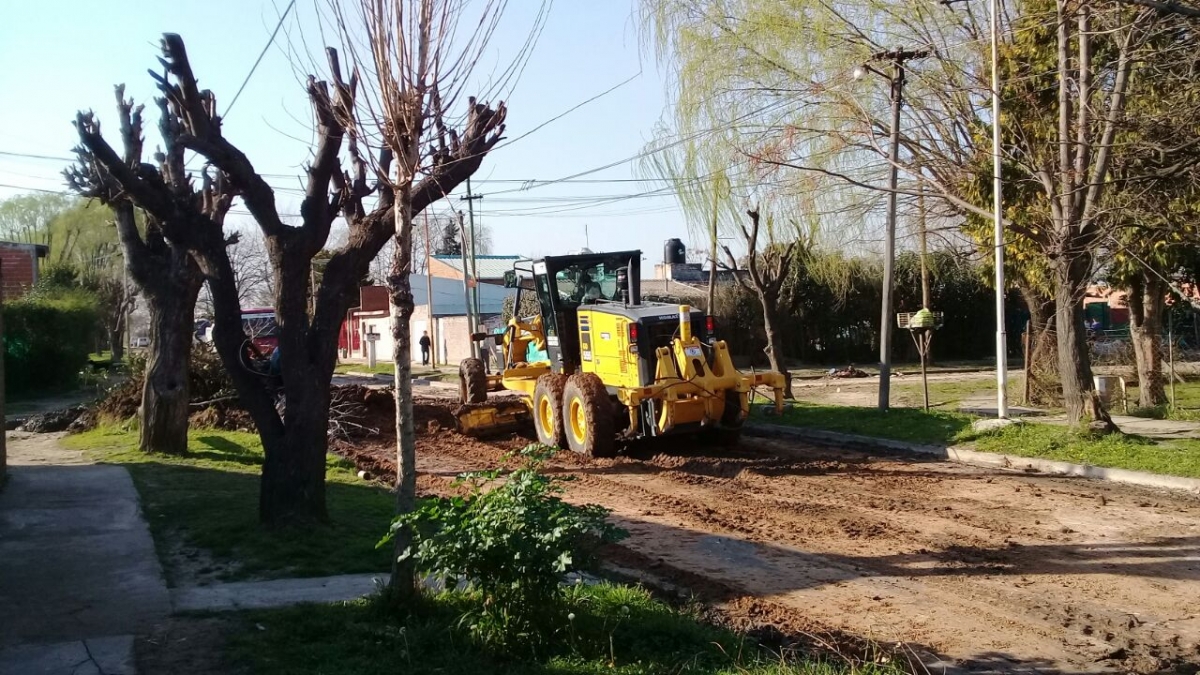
(991, 571)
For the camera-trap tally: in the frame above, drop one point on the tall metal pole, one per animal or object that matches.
(429, 293)
(466, 285)
(998, 218)
(889, 246)
(712, 256)
(926, 294)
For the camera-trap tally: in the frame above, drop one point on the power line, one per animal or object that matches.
(260, 56)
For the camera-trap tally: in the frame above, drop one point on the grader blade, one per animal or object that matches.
(493, 418)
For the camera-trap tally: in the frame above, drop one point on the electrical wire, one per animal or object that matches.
(261, 54)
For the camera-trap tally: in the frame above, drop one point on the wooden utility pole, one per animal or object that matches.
(429, 292)
(471, 327)
(470, 199)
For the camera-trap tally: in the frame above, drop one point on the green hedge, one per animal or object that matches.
(48, 335)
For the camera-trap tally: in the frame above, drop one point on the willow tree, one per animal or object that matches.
(1072, 67)
(339, 184)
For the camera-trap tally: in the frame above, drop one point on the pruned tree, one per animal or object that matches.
(418, 66)
(765, 272)
(449, 243)
(292, 490)
(159, 264)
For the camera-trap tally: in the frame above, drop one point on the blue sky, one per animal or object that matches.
(63, 55)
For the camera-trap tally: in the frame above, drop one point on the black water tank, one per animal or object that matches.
(674, 252)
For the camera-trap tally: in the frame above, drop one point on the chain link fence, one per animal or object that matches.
(1170, 367)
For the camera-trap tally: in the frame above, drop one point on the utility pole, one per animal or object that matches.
(998, 223)
(997, 217)
(429, 292)
(470, 198)
(712, 256)
(897, 57)
(467, 287)
(926, 298)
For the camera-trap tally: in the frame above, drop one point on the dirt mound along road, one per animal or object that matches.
(994, 571)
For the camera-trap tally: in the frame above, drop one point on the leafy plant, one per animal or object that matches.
(47, 337)
(511, 539)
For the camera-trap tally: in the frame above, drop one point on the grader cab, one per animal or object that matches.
(608, 366)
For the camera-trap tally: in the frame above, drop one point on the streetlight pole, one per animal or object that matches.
(998, 222)
(897, 58)
(997, 215)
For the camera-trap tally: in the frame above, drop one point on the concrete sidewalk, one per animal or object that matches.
(78, 572)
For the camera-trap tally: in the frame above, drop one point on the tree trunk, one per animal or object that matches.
(292, 487)
(1147, 298)
(1041, 361)
(117, 342)
(293, 478)
(774, 348)
(403, 580)
(164, 411)
(1074, 362)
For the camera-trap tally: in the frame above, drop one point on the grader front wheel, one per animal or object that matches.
(547, 410)
(472, 381)
(588, 417)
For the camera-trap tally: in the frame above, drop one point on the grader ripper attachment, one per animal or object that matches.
(596, 364)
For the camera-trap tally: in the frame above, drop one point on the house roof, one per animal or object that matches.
(665, 288)
(448, 297)
(40, 249)
(487, 266)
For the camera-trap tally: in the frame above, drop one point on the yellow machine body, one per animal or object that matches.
(646, 355)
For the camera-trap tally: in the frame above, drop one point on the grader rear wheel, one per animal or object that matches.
(472, 381)
(547, 410)
(588, 416)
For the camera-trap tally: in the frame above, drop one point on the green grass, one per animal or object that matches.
(616, 629)
(441, 373)
(381, 368)
(208, 500)
(901, 424)
(1047, 441)
(1137, 453)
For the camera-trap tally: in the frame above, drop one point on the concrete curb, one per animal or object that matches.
(989, 460)
(274, 593)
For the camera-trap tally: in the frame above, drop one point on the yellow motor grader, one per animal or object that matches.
(604, 364)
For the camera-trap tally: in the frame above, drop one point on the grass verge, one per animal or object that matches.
(614, 629)
(207, 502)
(1174, 457)
(902, 424)
(1120, 451)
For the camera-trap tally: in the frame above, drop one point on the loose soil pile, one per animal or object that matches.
(990, 570)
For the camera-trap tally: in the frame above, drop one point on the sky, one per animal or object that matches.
(61, 56)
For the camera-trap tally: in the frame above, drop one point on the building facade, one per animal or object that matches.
(19, 268)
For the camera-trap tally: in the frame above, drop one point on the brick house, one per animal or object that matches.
(19, 266)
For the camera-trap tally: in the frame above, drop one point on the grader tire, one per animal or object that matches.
(732, 417)
(730, 432)
(588, 416)
(472, 381)
(547, 410)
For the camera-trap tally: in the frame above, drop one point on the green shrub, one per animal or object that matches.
(48, 335)
(511, 539)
